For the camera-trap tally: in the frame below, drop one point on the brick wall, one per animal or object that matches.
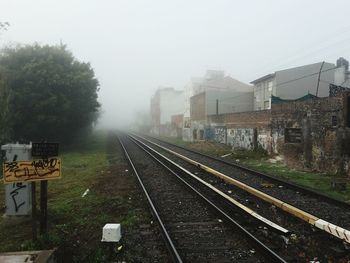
(250, 119)
(321, 124)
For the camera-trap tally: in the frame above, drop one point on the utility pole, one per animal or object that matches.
(217, 107)
(319, 76)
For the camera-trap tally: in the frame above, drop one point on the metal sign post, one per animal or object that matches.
(21, 170)
(43, 207)
(34, 231)
(44, 150)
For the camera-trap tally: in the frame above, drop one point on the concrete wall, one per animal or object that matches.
(241, 138)
(197, 131)
(228, 101)
(220, 134)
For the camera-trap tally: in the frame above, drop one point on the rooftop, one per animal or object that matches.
(268, 76)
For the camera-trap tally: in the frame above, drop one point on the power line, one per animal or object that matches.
(310, 48)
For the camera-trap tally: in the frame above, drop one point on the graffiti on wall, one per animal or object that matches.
(186, 134)
(209, 134)
(241, 138)
(264, 141)
(220, 134)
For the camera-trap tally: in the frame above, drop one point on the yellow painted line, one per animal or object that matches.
(311, 219)
(230, 199)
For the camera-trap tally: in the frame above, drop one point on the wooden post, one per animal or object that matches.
(43, 207)
(34, 230)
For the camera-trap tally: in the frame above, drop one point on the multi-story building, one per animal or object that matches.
(294, 83)
(215, 93)
(165, 103)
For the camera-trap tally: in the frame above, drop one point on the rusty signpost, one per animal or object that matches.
(47, 167)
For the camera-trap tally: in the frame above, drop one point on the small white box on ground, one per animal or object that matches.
(111, 233)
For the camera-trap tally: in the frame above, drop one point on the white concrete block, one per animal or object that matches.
(111, 233)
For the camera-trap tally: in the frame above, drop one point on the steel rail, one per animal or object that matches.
(169, 243)
(269, 177)
(324, 225)
(225, 197)
(273, 256)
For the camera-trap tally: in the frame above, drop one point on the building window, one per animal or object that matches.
(292, 135)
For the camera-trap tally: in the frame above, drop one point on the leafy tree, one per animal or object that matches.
(45, 93)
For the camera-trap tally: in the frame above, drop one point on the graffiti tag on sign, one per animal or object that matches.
(36, 170)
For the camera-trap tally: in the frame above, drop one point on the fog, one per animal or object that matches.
(137, 46)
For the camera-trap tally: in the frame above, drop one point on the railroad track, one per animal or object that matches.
(249, 171)
(191, 215)
(296, 220)
(317, 204)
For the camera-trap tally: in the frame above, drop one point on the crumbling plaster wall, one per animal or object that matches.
(324, 135)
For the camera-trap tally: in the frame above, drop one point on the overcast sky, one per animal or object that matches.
(136, 46)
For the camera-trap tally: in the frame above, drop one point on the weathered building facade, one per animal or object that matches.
(314, 133)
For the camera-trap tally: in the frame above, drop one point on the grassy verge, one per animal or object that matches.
(75, 222)
(320, 182)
